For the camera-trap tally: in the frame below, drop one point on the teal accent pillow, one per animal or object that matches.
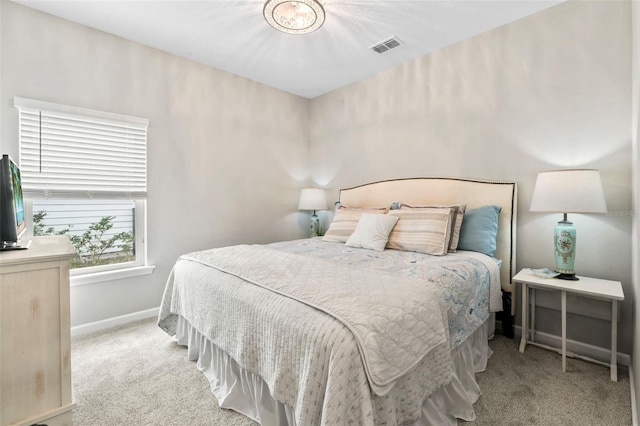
(479, 230)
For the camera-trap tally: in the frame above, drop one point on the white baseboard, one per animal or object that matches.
(112, 322)
(634, 407)
(580, 348)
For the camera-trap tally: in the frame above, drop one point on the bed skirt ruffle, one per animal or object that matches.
(246, 392)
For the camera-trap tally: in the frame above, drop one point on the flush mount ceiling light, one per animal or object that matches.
(294, 17)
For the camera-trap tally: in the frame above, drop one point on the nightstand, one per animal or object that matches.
(594, 288)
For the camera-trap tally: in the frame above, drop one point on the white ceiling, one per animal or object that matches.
(232, 35)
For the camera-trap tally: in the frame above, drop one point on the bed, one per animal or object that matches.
(319, 332)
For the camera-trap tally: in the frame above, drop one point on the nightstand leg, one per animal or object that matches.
(564, 331)
(525, 317)
(532, 315)
(614, 340)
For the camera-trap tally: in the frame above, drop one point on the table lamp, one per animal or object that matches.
(313, 199)
(567, 191)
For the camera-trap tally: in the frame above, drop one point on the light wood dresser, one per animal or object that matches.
(35, 352)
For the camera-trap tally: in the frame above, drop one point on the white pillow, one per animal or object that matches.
(372, 231)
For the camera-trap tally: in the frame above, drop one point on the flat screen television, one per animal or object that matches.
(12, 223)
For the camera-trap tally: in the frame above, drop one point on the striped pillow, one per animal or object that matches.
(345, 222)
(422, 229)
(456, 222)
(455, 228)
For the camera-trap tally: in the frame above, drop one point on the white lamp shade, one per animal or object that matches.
(312, 199)
(568, 191)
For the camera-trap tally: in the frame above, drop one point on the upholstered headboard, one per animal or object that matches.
(436, 190)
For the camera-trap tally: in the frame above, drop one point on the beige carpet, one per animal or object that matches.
(136, 375)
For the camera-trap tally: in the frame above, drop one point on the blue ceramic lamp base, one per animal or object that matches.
(315, 225)
(564, 239)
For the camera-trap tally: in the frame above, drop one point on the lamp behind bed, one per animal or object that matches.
(313, 199)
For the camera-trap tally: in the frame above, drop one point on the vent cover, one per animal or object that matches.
(385, 45)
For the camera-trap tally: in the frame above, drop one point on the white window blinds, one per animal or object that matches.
(75, 152)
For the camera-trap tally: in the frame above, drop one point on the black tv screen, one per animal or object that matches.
(12, 223)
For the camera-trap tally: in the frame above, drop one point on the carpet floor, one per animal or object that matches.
(137, 375)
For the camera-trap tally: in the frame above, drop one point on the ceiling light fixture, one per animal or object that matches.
(294, 17)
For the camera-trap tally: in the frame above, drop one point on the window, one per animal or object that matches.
(84, 174)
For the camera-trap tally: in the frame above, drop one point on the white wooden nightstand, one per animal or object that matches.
(588, 287)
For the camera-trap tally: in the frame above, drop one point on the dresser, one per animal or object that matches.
(35, 352)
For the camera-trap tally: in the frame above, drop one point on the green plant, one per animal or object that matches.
(92, 246)
(39, 226)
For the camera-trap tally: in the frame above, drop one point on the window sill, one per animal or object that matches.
(110, 275)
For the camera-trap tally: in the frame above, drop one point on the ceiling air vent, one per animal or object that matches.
(385, 45)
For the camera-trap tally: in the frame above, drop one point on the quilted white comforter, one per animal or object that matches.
(469, 281)
(340, 357)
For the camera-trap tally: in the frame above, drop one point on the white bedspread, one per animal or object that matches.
(469, 281)
(395, 321)
(310, 360)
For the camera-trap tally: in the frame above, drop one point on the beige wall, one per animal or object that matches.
(549, 91)
(226, 156)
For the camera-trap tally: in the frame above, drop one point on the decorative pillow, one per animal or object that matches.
(479, 230)
(455, 228)
(456, 222)
(372, 231)
(345, 221)
(422, 229)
